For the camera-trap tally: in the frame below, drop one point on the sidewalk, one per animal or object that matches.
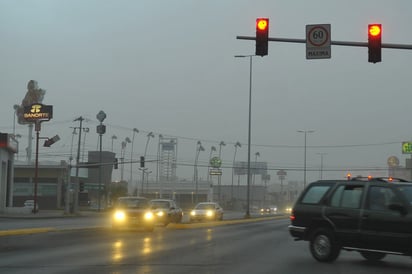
(48, 214)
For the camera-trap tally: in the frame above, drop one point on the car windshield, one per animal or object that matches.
(133, 203)
(407, 192)
(205, 206)
(160, 204)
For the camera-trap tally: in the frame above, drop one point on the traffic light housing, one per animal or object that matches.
(115, 163)
(81, 187)
(374, 43)
(141, 161)
(262, 36)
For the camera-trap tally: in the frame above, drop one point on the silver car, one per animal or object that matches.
(206, 211)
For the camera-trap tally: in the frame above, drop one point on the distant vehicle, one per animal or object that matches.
(373, 217)
(30, 204)
(268, 210)
(206, 211)
(166, 211)
(133, 212)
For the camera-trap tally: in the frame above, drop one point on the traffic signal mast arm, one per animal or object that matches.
(338, 43)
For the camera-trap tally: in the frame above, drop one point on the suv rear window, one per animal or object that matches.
(315, 193)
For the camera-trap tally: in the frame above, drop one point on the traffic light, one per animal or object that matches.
(262, 36)
(141, 161)
(115, 163)
(81, 187)
(374, 43)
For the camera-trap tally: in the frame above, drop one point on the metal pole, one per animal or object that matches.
(76, 186)
(247, 215)
(338, 43)
(304, 164)
(100, 170)
(36, 168)
(249, 140)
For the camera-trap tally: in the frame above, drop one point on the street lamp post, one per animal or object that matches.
(305, 132)
(212, 148)
(114, 137)
(149, 135)
(123, 155)
(16, 108)
(159, 182)
(257, 154)
(219, 182)
(237, 144)
(199, 148)
(101, 129)
(135, 130)
(247, 215)
(321, 164)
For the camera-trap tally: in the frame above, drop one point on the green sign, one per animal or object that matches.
(406, 147)
(215, 162)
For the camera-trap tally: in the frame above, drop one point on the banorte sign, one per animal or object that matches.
(38, 113)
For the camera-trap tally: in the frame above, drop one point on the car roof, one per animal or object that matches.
(132, 198)
(161, 200)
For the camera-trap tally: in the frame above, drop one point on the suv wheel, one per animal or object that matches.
(323, 246)
(372, 256)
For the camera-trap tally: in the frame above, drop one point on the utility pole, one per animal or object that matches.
(76, 185)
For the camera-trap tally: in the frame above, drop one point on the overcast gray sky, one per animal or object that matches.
(169, 67)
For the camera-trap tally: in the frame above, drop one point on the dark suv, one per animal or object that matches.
(372, 216)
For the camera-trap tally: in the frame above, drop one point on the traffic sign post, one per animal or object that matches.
(318, 41)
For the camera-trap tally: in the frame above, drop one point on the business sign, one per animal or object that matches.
(38, 113)
(318, 41)
(406, 147)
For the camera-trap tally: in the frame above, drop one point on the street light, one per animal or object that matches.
(247, 215)
(305, 132)
(237, 144)
(135, 130)
(212, 148)
(123, 155)
(199, 148)
(16, 108)
(321, 163)
(114, 137)
(101, 129)
(149, 135)
(219, 179)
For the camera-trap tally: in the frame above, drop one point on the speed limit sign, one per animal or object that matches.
(318, 41)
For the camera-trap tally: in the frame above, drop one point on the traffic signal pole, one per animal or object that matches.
(338, 43)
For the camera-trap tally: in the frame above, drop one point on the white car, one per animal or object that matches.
(30, 204)
(206, 211)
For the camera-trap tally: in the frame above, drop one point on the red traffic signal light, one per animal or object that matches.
(374, 43)
(262, 36)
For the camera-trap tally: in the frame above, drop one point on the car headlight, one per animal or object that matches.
(160, 213)
(148, 216)
(209, 213)
(192, 213)
(119, 215)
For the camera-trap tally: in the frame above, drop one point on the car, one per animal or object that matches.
(133, 212)
(372, 216)
(206, 211)
(30, 205)
(166, 211)
(268, 210)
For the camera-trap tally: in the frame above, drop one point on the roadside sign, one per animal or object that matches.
(318, 41)
(215, 171)
(406, 147)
